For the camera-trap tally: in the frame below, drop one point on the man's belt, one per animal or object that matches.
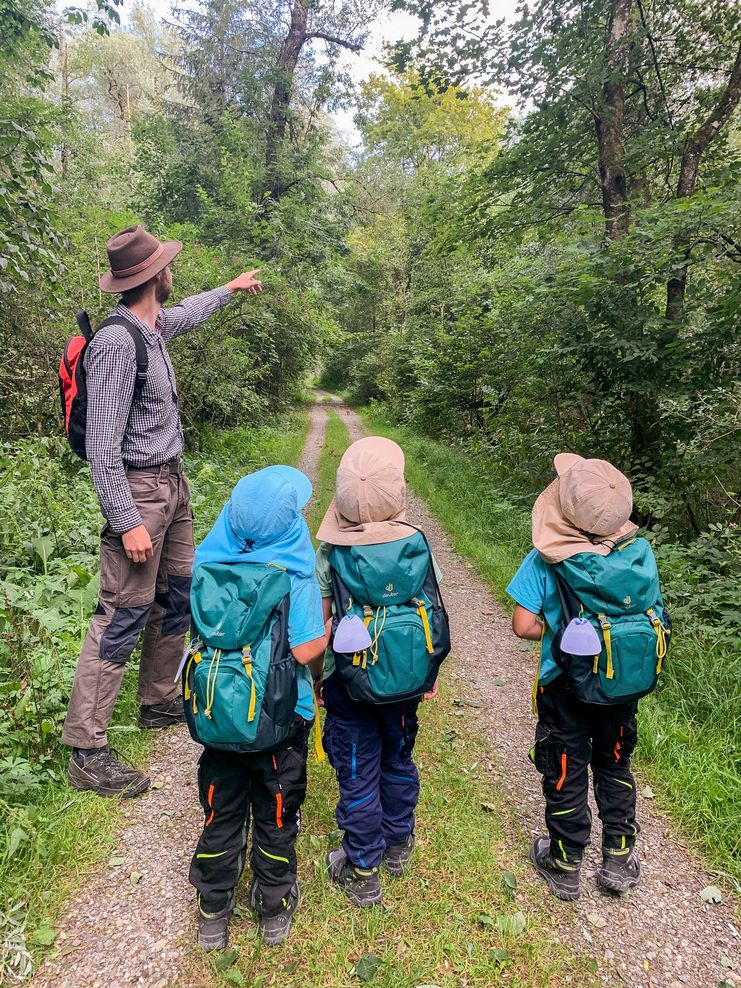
(175, 465)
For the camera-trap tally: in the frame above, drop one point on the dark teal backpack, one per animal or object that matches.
(621, 597)
(239, 677)
(392, 587)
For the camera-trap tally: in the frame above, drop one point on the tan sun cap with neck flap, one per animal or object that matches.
(369, 506)
(586, 509)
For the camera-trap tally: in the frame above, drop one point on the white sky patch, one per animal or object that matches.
(394, 27)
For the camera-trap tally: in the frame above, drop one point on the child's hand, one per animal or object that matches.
(318, 690)
(433, 692)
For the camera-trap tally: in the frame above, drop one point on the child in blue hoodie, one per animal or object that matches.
(261, 523)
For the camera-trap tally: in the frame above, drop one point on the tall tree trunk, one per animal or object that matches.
(286, 67)
(694, 148)
(64, 76)
(609, 123)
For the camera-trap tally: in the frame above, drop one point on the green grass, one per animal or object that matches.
(52, 836)
(336, 441)
(689, 729)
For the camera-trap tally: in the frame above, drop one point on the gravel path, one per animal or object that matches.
(128, 925)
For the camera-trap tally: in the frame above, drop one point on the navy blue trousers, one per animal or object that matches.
(370, 748)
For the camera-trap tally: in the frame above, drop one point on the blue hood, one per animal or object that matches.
(262, 523)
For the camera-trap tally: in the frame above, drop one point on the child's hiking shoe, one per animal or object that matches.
(275, 929)
(213, 925)
(163, 714)
(396, 857)
(102, 772)
(619, 873)
(362, 885)
(562, 876)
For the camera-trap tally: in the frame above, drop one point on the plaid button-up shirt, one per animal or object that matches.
(147, 432)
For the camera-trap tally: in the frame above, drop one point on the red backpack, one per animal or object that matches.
(73, 382)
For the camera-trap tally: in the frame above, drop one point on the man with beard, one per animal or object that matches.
(134, 443)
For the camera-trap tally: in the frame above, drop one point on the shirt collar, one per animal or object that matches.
(149, 334)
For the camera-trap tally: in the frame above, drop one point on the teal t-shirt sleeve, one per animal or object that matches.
(528, 586)
(305, 620)
(323, 572)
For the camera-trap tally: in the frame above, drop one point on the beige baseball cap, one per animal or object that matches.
(586, 509)
(369, 506)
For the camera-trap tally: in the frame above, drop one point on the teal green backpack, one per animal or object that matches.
(393, 589)
(620, 596)
(239, 677)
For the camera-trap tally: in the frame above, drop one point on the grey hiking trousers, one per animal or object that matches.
(153, 597)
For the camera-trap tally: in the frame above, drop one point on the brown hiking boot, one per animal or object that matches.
(105, 775)
(163, 714)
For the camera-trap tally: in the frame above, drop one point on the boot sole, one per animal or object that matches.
(129, 792)
(365, 902)
(604, 882)
(559, 893)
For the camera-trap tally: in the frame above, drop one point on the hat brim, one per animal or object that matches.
(112, 285)
(369, 533)
(557, 539)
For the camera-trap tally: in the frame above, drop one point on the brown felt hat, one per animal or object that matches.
(369, 507)
(586, 509)
(135, 256)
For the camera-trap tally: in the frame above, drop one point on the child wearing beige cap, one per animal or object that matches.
(390, 633)
(589, 591)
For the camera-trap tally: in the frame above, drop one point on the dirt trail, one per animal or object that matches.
(661, 935)
(129, 923)
(115, 933)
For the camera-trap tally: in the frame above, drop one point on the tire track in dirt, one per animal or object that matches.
(661, 935)
(130, 922)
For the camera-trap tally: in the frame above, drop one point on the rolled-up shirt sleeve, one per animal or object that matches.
(191, 312)
(110, 368)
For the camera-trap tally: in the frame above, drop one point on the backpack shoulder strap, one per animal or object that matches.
(142, 358)
(83, 321)
(432, 565)
(570, 603)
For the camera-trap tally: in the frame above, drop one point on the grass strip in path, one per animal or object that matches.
(51, 835)
(336, 441)
(689, 729)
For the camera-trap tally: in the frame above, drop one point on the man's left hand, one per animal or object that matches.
(246, 282)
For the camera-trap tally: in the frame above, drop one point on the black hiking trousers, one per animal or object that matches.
(570, 736)
(266, 788)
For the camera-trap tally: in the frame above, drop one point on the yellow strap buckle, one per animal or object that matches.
(605, 625)
(247, 663)
(661, 643)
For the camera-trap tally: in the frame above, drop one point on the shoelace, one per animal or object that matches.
(111, 758)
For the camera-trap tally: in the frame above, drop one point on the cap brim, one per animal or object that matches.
(114, 286)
